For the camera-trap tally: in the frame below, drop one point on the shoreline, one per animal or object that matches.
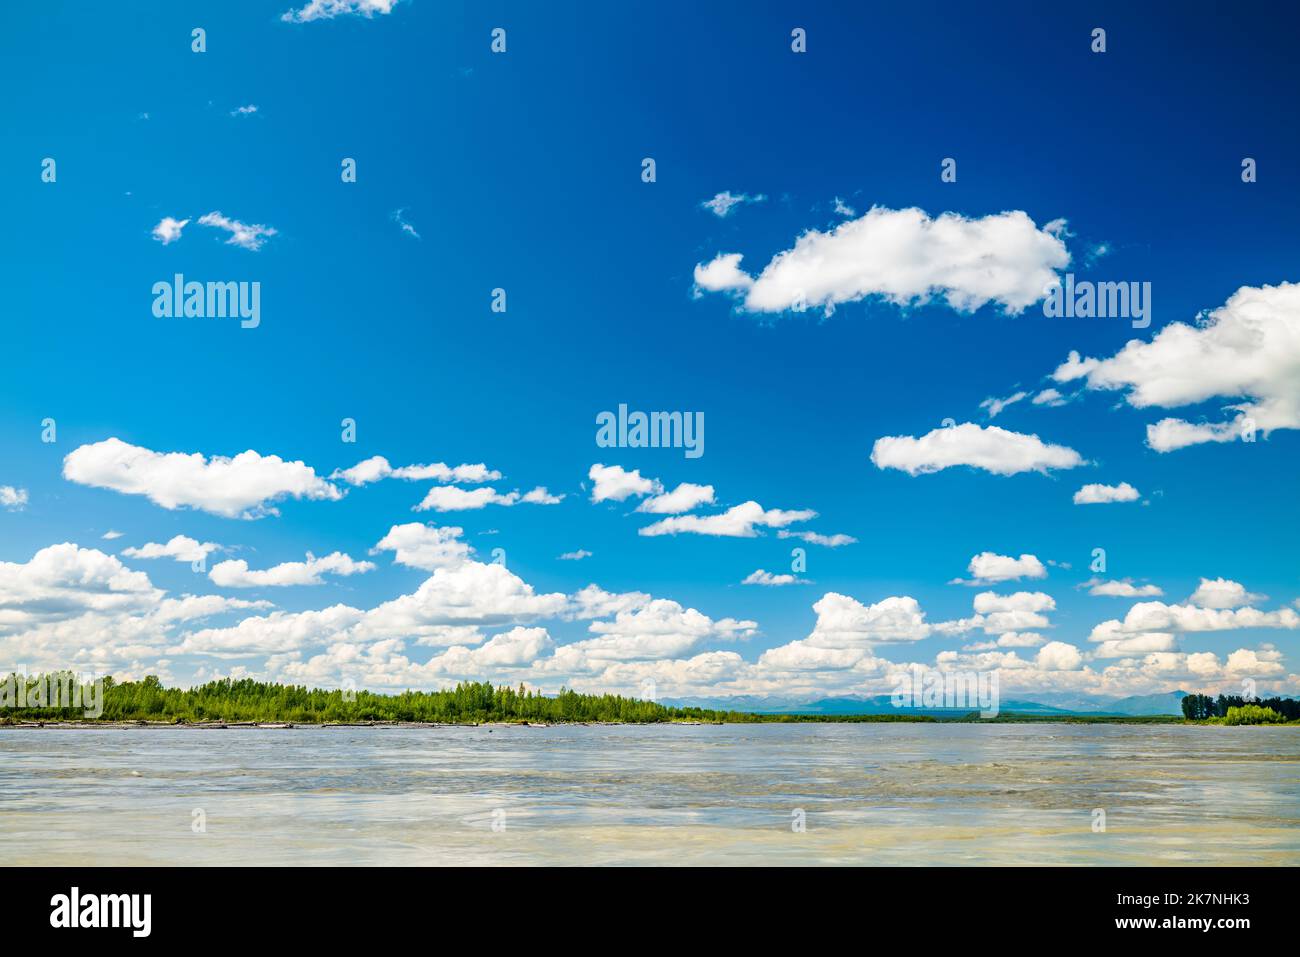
(271, 725)
(127, 725)
(61, 700)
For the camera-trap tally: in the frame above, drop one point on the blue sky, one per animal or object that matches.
(522, 171)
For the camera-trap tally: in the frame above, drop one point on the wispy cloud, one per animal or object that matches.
(1095, 253)
(725, 202)
(816, 538)
(241, 234)
(398, 217)
(1051, 398)
(994, 406)
(328, 9)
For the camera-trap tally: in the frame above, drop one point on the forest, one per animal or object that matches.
(246, 700)
(1235, 709)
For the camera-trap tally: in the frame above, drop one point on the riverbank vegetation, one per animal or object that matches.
(246, 700)
(48, 698)
(1235, 709)
(1252, 714)
(1012, 717)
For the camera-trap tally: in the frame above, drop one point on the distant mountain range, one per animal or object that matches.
(1051, 703)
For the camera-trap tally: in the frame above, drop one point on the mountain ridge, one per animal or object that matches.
(1049, 703)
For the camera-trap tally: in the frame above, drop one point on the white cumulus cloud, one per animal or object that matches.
(613, 483)
(377, 467)
(1223, 593)
(180, 548)
(237, 574)
(1058, 656)
(1096, 494)
(990, 567)
(683, 498)
(424, 546)
(739, 521)
(1122, 589)
(990, 448)
(168, 229)
(905, 257)
(450, 498)
(13, 499)
(761, 577)
(1247, 350)
(241, 487)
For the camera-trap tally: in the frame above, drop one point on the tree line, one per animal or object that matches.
(1201, 707)
(247, 700)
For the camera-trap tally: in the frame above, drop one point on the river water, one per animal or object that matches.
(902, 794)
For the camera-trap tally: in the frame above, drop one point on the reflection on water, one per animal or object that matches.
(871, 793)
